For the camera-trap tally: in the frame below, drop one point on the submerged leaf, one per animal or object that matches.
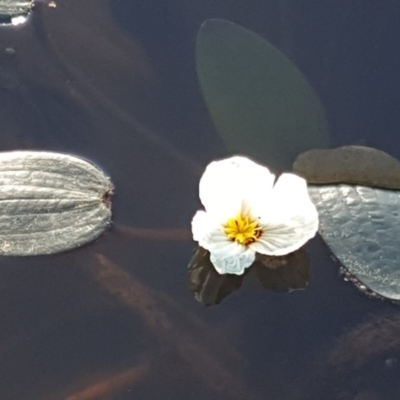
(357, 165)
(50, 202)
(193, 347)
(361, 226)
(259, 101)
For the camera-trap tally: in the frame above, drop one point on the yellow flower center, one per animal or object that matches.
(243, 229)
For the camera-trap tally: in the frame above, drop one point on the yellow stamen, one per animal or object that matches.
(243, 229)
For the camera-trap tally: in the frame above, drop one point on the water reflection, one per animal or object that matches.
(280, 274)
(207, 285)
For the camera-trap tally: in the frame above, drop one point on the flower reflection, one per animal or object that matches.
(246, 213)
(278, 274)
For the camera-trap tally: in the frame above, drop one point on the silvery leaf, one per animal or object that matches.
(50, 202)
(10, 9)
(361, 225)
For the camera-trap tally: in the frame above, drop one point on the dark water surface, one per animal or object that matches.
(114, 81)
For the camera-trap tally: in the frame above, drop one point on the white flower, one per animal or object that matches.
(246, 213)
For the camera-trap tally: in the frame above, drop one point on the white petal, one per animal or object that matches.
(233, 265)
(201, 226)
(292, 219)
(210, 236)
(221, 246)
(290, 185)
(227, 185)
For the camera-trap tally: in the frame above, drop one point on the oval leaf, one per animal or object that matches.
(357, 165)
(361, 226)
(259, 101)
(50, 202)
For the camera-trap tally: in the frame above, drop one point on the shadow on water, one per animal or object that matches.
(80, 79)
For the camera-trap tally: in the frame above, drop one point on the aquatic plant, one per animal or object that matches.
(50, 202)
(263, 107)
(356, 192)
(246, 213)
(259, 101)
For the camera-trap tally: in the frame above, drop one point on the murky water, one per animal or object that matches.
(115, 82)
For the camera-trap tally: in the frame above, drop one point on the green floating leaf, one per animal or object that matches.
(361, 226)
(259, 101)
(349, 164)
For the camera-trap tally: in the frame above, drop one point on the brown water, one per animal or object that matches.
(114, 81)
